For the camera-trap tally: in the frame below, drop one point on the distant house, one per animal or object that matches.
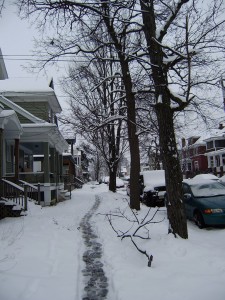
(194, 160)
(71, 171)
(215, 151)
(28, 130)
(204, 154)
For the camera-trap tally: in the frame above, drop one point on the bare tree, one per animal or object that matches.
(98, 111)
(97, 164)
(2, 2)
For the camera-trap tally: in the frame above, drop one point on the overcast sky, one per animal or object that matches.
(15, 39)
(16, 43)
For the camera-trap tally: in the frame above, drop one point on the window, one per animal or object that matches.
(220, 144)
(196, 165)
(209, 145)
(189, 166)
(211, 162)
(223, 159)
(9, 151)
(186, 189)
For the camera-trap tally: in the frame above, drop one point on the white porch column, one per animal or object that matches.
(214, 161)
(46, 165)
(53, 163)
(221, 160)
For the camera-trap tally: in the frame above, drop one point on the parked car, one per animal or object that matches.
(204, 202)
(119, 182)
(152, 187)
(222, 179)
(106, 179)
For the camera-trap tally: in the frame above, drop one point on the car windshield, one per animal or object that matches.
(208, 189)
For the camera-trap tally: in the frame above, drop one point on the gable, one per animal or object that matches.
(38, 109)
(19, 110)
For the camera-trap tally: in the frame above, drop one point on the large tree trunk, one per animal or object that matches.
(131, 113)
(171, 164)
(169, 153)
(112, 179)
(133, 139)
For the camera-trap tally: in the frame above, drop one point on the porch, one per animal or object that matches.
(32, 153)
(216, 162)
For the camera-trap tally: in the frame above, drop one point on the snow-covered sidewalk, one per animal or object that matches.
(42, 255)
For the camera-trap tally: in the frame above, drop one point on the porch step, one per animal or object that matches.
(64, 194)
(9, 209)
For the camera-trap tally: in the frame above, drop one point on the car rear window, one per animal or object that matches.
(208, 189)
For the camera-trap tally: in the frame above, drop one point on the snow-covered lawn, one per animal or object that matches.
(41, 254)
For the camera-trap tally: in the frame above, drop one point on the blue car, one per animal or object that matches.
(204, 202)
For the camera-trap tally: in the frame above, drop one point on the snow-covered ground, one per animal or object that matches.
(41, 253)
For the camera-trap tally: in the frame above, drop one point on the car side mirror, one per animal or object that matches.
(187, 196)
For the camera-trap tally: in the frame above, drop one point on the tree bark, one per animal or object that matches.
(171, 164)
(168, 146)
(131, 114)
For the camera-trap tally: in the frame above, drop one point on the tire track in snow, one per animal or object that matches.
(96, 283)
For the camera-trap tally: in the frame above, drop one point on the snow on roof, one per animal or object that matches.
(215, 133)
(12, 124)
(28, 87)
(207, 136)
(32, 85)
(6, 113)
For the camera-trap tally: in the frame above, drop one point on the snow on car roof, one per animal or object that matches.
(205, 176)
(154, 177)
(199, 181)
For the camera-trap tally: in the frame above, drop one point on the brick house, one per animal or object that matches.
(193, 160)
(204, 154)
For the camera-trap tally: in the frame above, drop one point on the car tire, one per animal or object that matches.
(199, 221)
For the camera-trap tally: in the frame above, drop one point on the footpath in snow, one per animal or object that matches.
(96, 283)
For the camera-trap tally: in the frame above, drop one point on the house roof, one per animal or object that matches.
(28, 88)
(215, 134)
(210, 135)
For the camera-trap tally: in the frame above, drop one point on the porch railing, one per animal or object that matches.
(19, 194)
(33, 191)
(71, 182)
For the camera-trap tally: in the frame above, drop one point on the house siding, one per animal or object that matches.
(38, 109)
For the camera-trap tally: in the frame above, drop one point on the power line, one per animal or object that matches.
(43, 60)
(33, 55)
